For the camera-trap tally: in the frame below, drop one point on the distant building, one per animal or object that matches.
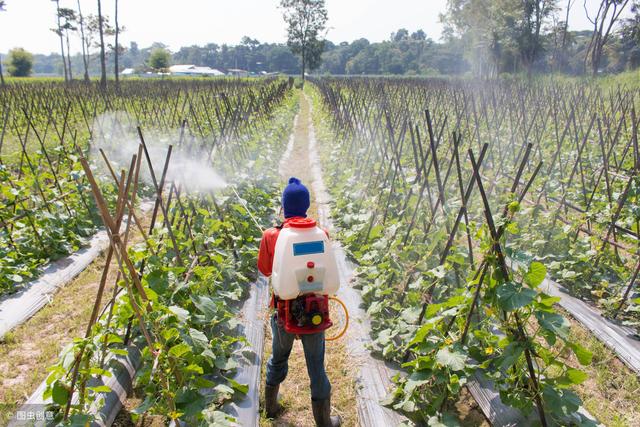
(236, 72)
(193, 70)
(128, 72)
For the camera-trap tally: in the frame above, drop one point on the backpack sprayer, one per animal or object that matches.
(305, 278)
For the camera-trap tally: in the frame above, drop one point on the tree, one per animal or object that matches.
(117, 48)
(499, 34)
(603, 22)
(19, 62)
(69, 18)
(91, 38)
(85, 54)
(306, 19)
(480, 25)
(630, 38)
(529, 18)
(159, 59)
(103, 62)
(2, 9)
(560, 37)
(401, 35)
(419, 35)
(58, 31)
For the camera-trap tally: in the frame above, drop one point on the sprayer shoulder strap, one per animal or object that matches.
(279, 226)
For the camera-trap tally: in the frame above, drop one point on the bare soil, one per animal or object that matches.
(295, 392)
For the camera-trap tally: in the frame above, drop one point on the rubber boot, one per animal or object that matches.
(322, 414)
(272, 407)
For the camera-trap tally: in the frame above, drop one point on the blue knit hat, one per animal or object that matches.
(295, 199)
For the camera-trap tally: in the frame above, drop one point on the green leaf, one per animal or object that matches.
(421, 333)
(199, 339)
(241, 388)
(197, 369)
(536, 274)
(510, 355)
(202, 382)
(224, 390)
(376, 232)
(555, 323)
(114, 339)
(207, 306)
(547, 300)
(416, 380)
(144, 406)
(101, 389)
(60, 393)
(180, 349)
(584, 356)
(220, 419)
(452, 359)
(576, 376)
(169, 334)
(158, 281)
(512, 296)
(225, 363)
(181, 313)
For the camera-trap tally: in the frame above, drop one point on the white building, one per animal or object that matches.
(193, 70)
(236, 72)
(128, 72)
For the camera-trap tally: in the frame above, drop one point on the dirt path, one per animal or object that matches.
(29, 349)
(295, 391)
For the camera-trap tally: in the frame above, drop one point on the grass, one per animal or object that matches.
(295, 391)
(28, 350)
(612, 391)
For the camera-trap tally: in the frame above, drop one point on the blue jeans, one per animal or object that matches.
(278, 364)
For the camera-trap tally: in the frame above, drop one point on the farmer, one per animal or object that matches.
(295, 203)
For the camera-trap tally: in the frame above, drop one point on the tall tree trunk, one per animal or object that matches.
(304, 64)
(603, 24)
(103, 62)
(85, 61)
(64, 62)
(566, 25)
(596, 58)
(560, 51)
(68, 55)
(1, 75)
(117, 71)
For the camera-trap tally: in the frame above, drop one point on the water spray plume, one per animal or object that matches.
(115, 133)
(246, 208)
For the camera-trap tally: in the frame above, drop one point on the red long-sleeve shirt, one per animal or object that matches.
(268, 247)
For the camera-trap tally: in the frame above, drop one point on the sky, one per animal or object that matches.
(27, 23)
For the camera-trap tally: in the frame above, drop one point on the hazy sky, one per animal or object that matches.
(26, 23)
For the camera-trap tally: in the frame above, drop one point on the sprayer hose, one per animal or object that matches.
(346, 320)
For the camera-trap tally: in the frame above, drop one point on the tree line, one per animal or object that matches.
(483, 37)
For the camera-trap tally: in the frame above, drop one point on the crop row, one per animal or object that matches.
(45, 211)
(178, 290)
(439, 186)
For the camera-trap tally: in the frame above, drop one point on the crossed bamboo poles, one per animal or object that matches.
(127, 185)
(525, 117)
(37, 116)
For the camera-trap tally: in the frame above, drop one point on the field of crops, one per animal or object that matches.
(455, 199)
(177, 287)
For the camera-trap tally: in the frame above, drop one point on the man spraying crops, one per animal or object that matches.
(297, 256)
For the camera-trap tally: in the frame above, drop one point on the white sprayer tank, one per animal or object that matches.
(303, 261)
